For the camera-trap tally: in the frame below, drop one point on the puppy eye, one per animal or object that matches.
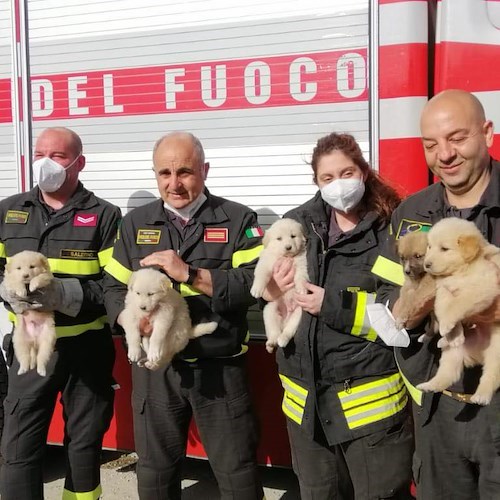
(292, 236)
(137, 293)
(444, 249)
(418, 256)
(32, 267)
(279, 238)
(150, 293)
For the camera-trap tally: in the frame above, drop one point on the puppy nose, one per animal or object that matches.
(288, 248)
(26, 276)
(428, 265)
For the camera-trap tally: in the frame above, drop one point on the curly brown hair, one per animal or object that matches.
(379, 196)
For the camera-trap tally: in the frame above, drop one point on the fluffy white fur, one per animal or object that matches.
(467, 273)
(150, 295)
(35, 333)
(284, 238)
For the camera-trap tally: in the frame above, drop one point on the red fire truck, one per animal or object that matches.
(258, 82)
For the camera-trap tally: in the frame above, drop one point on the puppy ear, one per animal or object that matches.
(131, 280)
(469, 246)
(166, 284)
(266, 238)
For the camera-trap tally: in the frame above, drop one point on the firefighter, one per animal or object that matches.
(344, 399)
(208, 246)
(75, 230)
(457, 442)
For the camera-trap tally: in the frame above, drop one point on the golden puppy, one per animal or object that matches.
(284, 238)
(151, 296)
(35, 333)
(467, 278)
(419, 286)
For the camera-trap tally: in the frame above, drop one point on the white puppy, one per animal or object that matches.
(35, 333)
(151, 296)
(467, 275)
(284, 238)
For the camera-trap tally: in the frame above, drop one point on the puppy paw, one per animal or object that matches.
(256, 291)
(442, 343)
(42, 371)
(425, 338)
(481, 398)
(445, 328)
(151, 366)
(22, 370)
(134, 354)
(154, 356)
(456, 341)
(283, 342)
(428, 387)
(270, 346)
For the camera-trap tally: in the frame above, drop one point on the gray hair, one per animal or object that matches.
(200, 153)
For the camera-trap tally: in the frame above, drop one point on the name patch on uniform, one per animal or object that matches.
(16, 217)
(67, 253)
(89, 220)
(412, 226)
(148, 236)
(216, 235)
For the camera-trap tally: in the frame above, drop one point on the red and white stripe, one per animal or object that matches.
(403, 89)
(468, 53)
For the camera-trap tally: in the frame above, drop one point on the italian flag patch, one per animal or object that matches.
(254, 232)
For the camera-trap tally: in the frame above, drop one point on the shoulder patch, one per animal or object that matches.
(412, 226)
(216, 235)
(254, 232)
(16, 217)
(148, 236)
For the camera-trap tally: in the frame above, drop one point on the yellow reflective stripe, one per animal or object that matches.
(365, 393)
(362, 326)
(71, 330)
(74, 330)
(416, 394)
(3, 255)
(105, 256)
(71, 266)
(88, 495)
(376, 411)
(188, 290)
(118, 271)
(389, 270)
(296, 392)
(368, 403)
(244, 256)
(292, 410)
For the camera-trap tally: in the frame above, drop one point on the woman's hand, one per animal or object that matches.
(313, 300)
(282, 279)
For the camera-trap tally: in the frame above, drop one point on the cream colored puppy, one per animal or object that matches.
(35, 333)
(151, 296)
(467, 273)
(284, 238)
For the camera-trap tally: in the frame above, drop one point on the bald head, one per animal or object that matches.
(180, 137)
(454, 100)
(71, 138)
(456, 138)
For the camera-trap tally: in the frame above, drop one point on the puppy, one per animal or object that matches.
(151, 296)
(284, 238)
(419, 286)
(465, 267)
(35, 332)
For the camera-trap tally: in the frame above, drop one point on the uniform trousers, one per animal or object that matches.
(372, 467)
(215, 393)
(81, 369)
(456, 457)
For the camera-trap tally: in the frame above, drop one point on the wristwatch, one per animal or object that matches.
(192, 274)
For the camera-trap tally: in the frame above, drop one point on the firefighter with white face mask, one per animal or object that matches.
(75, 230)
(344, 399)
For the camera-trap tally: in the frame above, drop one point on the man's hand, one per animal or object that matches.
(17, 303)
(426, 308)
(311, 302)
(61, 294)
(490, 315)
(170, 262)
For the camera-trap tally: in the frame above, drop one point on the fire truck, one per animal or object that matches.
(258, 82)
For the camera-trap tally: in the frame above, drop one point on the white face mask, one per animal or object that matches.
(50, 175)
(343, 194)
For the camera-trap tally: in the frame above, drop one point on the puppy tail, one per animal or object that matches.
(203, 329)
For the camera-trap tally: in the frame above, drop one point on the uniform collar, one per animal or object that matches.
(82, 198)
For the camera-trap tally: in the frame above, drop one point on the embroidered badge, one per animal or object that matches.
(16, 217)
(216, 235)
(68, 253)
(89, 220)
(254, 232)
(412, 226)
(148, 236)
